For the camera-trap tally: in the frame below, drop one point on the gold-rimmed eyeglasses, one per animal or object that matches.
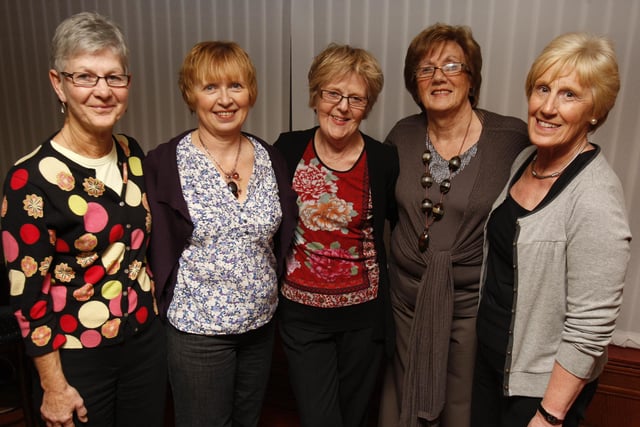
(450, 69)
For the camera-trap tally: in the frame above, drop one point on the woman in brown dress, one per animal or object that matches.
(454, 160)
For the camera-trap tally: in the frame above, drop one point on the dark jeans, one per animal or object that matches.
(122, 385)
(332, 374)
(490, 408)
(219, 380)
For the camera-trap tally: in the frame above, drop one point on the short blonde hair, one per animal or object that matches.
(337, 61)
(592, 57)
(216, 61)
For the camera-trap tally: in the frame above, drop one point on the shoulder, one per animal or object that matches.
(409, 124)
(297, 137)
(129, 145)
(373, 146)
(167, 148)
(498, 122)
(599, 176)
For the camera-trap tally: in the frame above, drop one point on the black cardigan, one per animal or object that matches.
(383, 165)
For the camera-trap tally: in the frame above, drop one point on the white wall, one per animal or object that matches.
(282, 36)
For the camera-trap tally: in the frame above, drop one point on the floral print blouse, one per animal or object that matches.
(227, 281)
(333, 262)
(75, 250)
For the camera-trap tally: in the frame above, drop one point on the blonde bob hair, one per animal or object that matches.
(338, 61)
(215, 61)
(592, 58)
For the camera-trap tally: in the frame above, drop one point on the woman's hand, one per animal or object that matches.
(60, 400)
(59, 405)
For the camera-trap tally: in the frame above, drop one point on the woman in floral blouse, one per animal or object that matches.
(335, 311)
(75, 227)
(224, 214)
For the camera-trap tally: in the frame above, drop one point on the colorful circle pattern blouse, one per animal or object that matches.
(75, 250)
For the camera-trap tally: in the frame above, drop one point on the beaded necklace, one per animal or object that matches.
(230, 177)
(435, 211)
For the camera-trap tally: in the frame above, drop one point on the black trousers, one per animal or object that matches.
(333, 375)
(123, 385)
(490, 408)
(219, 380)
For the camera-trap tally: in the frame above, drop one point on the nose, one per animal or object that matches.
(102, 87)
(224, 98)
(343, 104)
(550, 104)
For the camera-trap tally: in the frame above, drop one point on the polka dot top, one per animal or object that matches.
(75, 250)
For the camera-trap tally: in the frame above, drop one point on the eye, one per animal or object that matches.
(209, 87)
(542, 89)
(84, 77)
(426, 71)
(569, 95)
(116, 78)
(236, 86)
(358, 99)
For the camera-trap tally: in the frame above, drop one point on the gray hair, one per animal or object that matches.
(86, 32)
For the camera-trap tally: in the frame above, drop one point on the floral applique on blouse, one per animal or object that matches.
(333, 262)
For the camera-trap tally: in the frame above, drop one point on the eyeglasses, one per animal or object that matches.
(336, 98)
(450, 69)
(83, 79)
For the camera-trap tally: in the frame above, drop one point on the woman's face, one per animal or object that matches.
(340, 121)
(442, 93)
(560, 110)
(95, 109)
(222, 106)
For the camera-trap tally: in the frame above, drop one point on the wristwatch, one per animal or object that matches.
(551, 419)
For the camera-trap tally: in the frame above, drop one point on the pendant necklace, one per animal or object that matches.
(435, 211)
(559, 171)
(232, 176)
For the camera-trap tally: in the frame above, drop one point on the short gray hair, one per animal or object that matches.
(86, 32)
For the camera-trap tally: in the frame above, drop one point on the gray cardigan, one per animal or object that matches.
(571, 256)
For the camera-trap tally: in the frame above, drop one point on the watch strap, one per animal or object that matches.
(551, 419)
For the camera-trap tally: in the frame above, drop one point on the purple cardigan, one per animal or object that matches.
(172, 226)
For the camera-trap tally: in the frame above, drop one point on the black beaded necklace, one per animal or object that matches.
(435, 211)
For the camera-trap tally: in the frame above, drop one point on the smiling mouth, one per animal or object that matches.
(547, 125)
(225, 114)
(340, 119)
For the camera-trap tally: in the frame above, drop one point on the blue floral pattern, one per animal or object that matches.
(227, 281)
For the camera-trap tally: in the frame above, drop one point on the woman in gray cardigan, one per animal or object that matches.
(550, 298)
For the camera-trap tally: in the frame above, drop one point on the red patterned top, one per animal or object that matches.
(333, 261)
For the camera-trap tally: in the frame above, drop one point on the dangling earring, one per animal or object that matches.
(594, 122)
(63, 107)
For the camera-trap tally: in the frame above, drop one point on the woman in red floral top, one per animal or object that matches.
(334, 310)
(75, 228)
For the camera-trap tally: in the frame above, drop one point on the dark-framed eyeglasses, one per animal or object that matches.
(450, 69)
(84, 79)
(334, 97)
